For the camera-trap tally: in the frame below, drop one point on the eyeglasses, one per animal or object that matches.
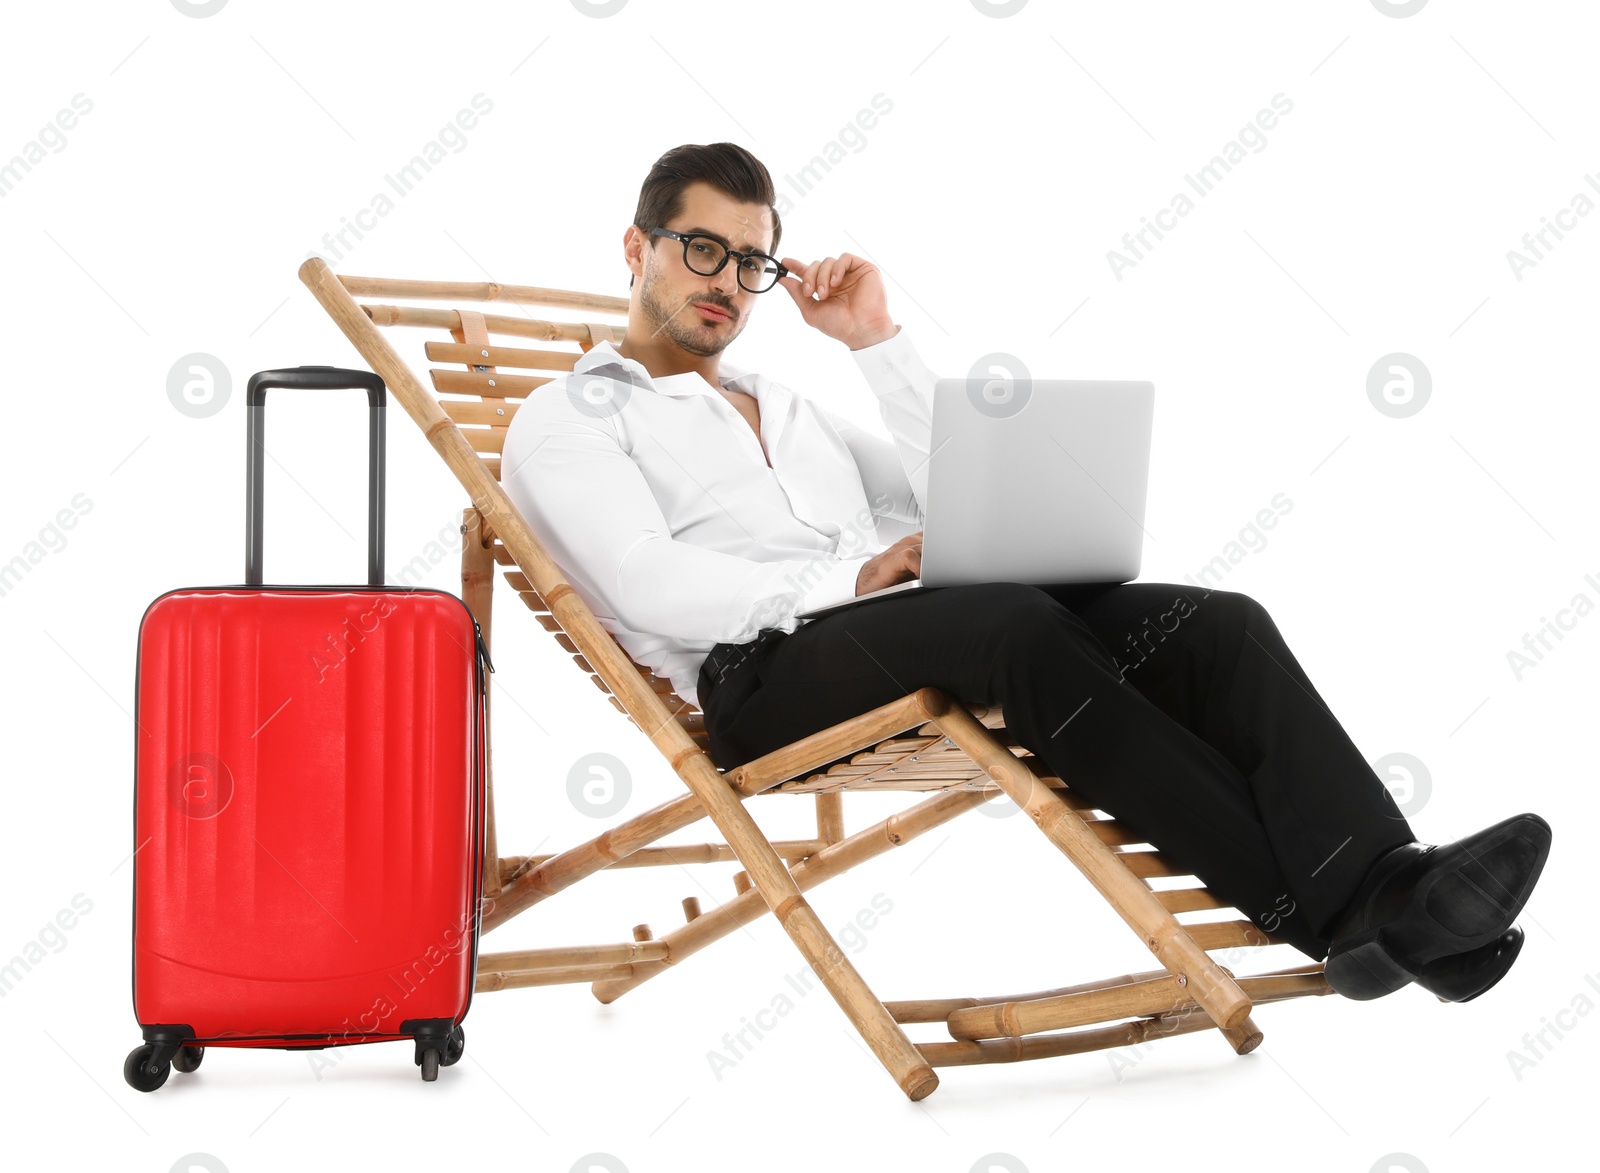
(706, 255)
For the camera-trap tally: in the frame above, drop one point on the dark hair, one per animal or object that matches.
(727, 167)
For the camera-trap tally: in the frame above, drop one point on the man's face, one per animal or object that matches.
(671, 293)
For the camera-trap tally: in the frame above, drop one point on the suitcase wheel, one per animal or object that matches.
(436, 1046)
(143, 1070)
(454, 1046)
(148, 1066)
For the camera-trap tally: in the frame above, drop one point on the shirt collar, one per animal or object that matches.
(605, 354)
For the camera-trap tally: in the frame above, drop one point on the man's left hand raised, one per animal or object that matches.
(843, 297)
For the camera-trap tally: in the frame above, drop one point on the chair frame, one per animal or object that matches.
(924, 741)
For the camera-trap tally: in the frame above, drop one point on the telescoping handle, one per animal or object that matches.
(313, 379)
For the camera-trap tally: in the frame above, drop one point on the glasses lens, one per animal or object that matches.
(704, 255)
(758, 274)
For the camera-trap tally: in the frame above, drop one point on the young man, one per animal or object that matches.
(698, 508)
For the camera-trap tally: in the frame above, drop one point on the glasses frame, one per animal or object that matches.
(727, 252)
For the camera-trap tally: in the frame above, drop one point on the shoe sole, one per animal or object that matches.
(1453, 910)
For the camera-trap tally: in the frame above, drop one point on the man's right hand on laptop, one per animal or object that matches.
(901, 562)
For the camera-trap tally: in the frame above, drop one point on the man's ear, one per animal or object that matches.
(626, 250)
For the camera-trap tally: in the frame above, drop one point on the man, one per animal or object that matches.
(699, 508)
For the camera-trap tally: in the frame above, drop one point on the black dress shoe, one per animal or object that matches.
(1421, 903)
(1463, 976)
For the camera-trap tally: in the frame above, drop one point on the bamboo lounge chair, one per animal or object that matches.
(926, 741)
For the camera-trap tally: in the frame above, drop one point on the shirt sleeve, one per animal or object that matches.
(894, 472)
(590, 505)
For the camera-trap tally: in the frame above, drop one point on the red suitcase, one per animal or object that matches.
(308, 803)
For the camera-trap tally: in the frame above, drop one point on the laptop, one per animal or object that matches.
(1032, 480)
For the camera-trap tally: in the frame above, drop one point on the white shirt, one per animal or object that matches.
(655, 498)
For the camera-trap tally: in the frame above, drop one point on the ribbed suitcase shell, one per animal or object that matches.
(308, 812)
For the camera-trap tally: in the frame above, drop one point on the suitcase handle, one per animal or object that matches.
(313, 379)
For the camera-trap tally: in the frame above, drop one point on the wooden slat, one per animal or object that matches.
(1157, 995)
(940, 1009)
(495, 413)
(1113, 833)
(528, 960)
(877, 770)
(495, 386)
(597, 303)
(909, 744)
(485, 439)
(492, 463)
(654, 681)
(1188, 899)
(686, 714)
(544, 331)
(1067, 1042)
(1228, 934)
(489, 981)
(1148, 864)
(917, 770)
(518, 580)
(794, 850)
(955, 767)
(893, 784)
(502, 356)
(925, 763)
(662, 687)
(884, 755)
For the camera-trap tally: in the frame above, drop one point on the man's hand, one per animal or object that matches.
(901, 562)
(849, 303)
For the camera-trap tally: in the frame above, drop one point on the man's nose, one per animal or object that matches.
(727, 281)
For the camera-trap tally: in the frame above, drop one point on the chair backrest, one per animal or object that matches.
(482, 369)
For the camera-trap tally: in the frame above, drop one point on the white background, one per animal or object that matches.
(1419, 551)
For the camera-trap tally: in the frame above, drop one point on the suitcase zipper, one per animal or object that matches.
(483, 652)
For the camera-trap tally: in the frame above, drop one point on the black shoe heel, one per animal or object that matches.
(1364, 968)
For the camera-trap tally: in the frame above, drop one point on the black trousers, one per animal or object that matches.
(1178, 710)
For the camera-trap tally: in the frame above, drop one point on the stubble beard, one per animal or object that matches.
(696, 337)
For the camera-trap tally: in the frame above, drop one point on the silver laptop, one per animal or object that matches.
(1032, 480)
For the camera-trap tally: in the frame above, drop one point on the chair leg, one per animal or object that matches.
(830, 816)
(1204, 979)
(777, 887)
(477, 592)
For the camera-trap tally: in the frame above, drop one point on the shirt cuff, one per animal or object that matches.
(838, 585)
(885, 364)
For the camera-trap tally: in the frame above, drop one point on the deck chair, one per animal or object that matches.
(927, 741)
